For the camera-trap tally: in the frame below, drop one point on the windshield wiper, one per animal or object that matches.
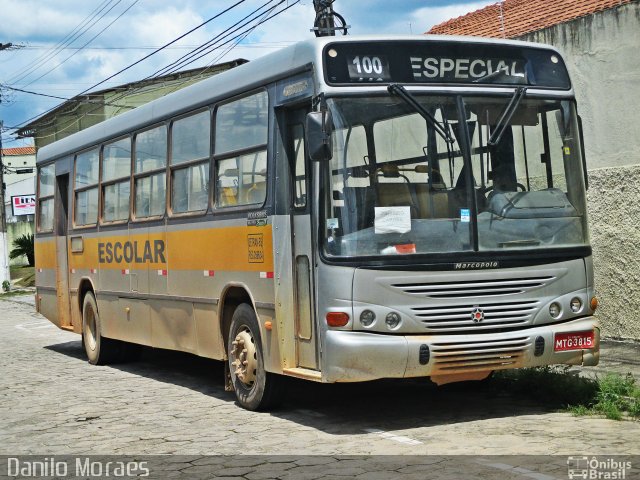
(506, 116)
(443, 131)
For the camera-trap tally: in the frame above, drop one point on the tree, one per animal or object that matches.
(23, 245)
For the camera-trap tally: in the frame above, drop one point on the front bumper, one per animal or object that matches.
(361, 356)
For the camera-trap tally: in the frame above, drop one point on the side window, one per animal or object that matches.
(241, 151)
(46, 179)
(190, 140)
(299, 167)
(116, 170)
(86, 188)
(150, 172)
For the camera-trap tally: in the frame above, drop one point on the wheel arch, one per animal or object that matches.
(232, 295)
(85, 286)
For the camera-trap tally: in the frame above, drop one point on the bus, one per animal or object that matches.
(341, 210)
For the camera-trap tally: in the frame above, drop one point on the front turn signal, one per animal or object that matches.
(594, 303)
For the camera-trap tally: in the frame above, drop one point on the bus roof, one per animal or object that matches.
(244, 77)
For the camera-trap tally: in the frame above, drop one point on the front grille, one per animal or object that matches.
(474, 288)
(480, 355)
(497, 315)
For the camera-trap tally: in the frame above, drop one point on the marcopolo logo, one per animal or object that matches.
(475, 265)
(598, 468)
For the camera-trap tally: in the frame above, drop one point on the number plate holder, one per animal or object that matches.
(568, 341)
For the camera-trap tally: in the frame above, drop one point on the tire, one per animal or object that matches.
(256, 389)
(100, 350)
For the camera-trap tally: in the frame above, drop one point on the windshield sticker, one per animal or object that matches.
(465, 215)
(392, 220)
(404, 249)
(332, 223)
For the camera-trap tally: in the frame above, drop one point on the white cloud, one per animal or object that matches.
(423, 19)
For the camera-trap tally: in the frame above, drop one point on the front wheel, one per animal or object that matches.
(256, 389)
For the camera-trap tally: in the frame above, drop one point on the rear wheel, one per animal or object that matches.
(100, 350)
(256, 389)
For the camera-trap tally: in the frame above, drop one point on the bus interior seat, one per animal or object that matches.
(228, 196)
(396, 195)
(433, 202)
(256, 193)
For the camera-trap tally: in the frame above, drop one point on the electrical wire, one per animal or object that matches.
(141, 59)
(87, 43)
(66, 41)
(164, 46)
(126, 93)
(203, 46)
(75, 99)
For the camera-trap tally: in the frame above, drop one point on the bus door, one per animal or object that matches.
(302, 242)
(62, 260)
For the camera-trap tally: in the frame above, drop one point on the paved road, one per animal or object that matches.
(52, 402)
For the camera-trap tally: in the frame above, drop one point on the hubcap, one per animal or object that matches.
(245, 359)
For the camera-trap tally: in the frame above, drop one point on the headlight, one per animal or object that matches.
(554, 310)
(576, 304)
(392, 320)
(367, 318)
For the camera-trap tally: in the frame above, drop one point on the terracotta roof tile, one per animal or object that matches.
(19, 151)
(513, 18)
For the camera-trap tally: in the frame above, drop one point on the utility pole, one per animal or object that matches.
(4, 248)
(327, 22)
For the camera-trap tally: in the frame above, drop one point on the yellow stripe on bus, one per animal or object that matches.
(230, 248)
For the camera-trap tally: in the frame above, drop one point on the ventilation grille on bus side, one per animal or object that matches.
(474, 288)
(479, 355)
(451, 318)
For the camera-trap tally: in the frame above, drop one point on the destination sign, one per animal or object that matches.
(443, 62)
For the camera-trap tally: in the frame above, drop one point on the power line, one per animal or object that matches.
(87, 43)
(133, 91)
(75, 99)
(164, 46)
(143, 58)
(181, 61)
(66, 41)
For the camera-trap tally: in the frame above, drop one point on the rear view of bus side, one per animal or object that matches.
(338, 211)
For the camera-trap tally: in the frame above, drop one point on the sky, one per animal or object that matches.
(70, 45)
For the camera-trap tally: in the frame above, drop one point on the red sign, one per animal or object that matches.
(563, 342)
(23, 205)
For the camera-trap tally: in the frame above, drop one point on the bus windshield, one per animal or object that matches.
(395, 186)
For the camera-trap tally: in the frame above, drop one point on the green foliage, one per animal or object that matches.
(24, 245)
(614, 396)
(617, 394)
(6, 285)
(556, 385)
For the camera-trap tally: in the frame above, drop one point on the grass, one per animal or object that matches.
(26, 276)
(613, 396)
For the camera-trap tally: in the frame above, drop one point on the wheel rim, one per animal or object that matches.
(90, 324)
(244, 356)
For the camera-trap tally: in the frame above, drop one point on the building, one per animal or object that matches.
(19, 178)
(86, 110)
(600, 40)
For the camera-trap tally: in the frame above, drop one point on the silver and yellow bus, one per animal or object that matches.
(341, 210)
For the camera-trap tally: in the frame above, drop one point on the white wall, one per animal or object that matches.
(602, 52)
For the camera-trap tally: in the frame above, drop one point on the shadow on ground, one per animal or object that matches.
(344, 408)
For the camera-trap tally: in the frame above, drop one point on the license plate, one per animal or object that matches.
(563, 342)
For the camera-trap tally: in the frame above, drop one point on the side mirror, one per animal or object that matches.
(318, 133)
